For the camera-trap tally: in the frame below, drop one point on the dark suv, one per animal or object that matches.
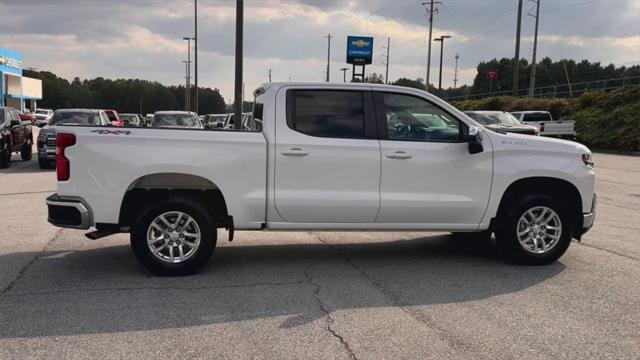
(15, 135)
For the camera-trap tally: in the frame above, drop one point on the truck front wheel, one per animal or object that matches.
(535, 230)
(173, 237)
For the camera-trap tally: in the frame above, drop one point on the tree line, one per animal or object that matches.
(123, 95)
(549, 73)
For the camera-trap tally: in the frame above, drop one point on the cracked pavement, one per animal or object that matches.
(292, 295)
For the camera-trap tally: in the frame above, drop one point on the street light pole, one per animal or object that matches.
(195, 38)
(344, 74)
(441, 39)
(187, 105)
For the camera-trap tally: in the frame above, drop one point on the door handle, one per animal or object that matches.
(399, 155)
(295, 152)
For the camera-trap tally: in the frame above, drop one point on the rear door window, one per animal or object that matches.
(328, 113)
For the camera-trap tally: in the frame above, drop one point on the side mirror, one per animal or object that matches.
(474, 138)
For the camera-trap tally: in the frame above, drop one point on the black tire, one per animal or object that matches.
(202, 253)
(5, 157)
(26, 151)
(46, 164)
(507, 227)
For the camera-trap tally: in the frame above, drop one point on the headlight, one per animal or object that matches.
(586, 159)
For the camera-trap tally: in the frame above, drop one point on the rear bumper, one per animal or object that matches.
(68, 212)
(589, 218)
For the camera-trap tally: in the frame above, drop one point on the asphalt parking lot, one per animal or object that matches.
(299, 295)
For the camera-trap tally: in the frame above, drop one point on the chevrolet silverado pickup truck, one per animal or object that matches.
(543, 121)
(322, 157)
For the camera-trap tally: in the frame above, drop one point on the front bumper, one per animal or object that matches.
(68, 212)
(589, 218)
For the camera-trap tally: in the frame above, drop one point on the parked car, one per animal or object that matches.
(502, 122)
(43, 116)
(114, 117)
(212, 121)
(77, 117)
(27, 117)
(229, 122)
(15, 136)
(176, 119)
(543, 121)
(324, 160)
(135, 120)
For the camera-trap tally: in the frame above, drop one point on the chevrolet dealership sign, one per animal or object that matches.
(359, 50)
(10, 62)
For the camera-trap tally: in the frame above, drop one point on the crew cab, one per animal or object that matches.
(319, 157)
(543, 121)
(15, 136)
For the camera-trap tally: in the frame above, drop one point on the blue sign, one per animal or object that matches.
(359, 50)
(10, 62)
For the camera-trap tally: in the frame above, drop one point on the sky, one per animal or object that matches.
(143, 38)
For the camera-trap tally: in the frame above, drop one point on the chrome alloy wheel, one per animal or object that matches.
(173, 237)
(539, 230)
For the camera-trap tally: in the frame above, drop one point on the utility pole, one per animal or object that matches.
(430, 17)
(516, 59)
(195, 38)
(388, 47)
(344, 74)
(566, 73)
(441, 40)
(269, 74)
(238, 76)
(532, 83)
(455, 73)
(328, 54)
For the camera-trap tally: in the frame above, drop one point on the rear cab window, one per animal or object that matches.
(532, 117)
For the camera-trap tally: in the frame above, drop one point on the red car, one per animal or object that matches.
(27, 117)
(114, 117)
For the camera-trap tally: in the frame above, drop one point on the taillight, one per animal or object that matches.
(541, 127)
(63, 140)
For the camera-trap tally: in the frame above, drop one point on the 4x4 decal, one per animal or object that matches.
(114, 132)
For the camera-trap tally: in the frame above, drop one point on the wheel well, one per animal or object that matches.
(155, 187)
(562, 190)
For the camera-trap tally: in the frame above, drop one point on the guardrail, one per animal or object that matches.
(560, 90)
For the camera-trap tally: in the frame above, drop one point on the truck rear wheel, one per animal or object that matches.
(174, 237)
(535, 230)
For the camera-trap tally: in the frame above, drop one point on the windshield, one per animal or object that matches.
(42, 112)
(177, 120)
(493, 118)
(75, 118)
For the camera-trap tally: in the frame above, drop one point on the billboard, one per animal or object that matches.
(359, 50)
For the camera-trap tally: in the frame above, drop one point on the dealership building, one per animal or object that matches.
(17, 91)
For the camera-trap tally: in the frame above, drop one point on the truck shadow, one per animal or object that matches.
(105, 291)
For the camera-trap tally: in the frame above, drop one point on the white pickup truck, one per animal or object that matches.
(543, 121)
(323, 157)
